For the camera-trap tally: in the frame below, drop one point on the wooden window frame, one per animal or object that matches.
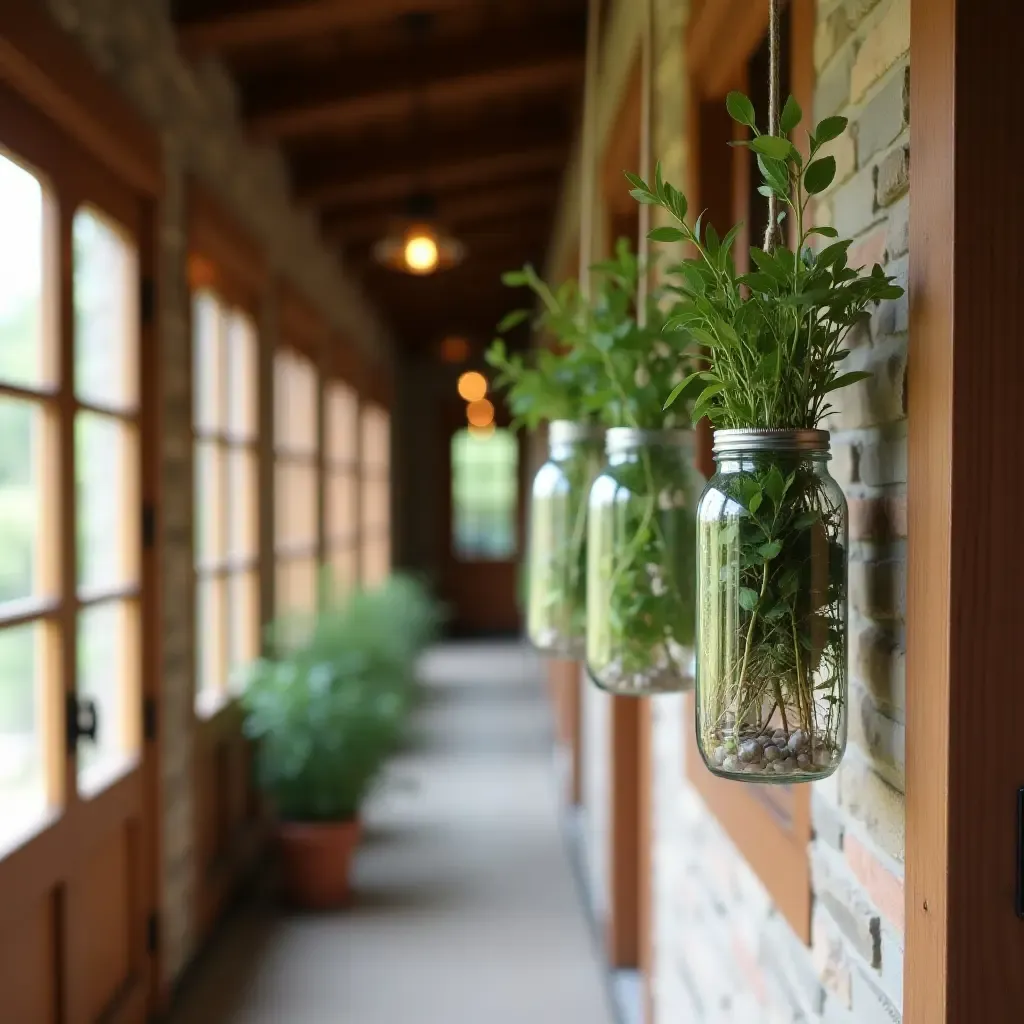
(369, 475)
(770, 828)
(342, 468)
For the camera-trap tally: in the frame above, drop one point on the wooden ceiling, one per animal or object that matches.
(473, 102)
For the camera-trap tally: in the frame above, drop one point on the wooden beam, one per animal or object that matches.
(965, 942)
(289, 22)
(354, 224)
(455, 77)
(403, 177)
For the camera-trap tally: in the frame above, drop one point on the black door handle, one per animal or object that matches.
(82, 720)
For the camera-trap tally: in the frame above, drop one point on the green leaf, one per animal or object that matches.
(820, 174)
(846, 379)
(513, 319)
(773, 147)
(687, 384)
(702, 403)
(792, 115)
(666, 234)
(515, 278)
(829, 129)
(755, 502)
(748, 599)
(825, 231)
(644, 197)
(770, 550)
(636, 181)
(775, 485)
(713, 242)
(741, 109)
(806, 520)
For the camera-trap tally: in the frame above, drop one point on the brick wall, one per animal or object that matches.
(194, 109)
(722, 951)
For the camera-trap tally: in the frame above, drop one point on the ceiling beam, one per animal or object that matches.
(356, 224)
(289, 22)
(455, 77)
(393, 183)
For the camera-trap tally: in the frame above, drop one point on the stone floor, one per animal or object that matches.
(467, 910)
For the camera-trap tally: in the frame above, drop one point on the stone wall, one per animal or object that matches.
(194, 110)
(723, 952)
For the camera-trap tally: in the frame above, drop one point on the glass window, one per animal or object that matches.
(296, 483)
(485, 483)
(375, 494)
(341, 469)
(225, 367)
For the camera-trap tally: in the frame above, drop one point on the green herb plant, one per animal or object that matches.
(640, 581)
(329, 709)
(772, 670)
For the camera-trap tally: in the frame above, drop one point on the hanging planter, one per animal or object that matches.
(772, 574)
(556, 610)
(640, 592)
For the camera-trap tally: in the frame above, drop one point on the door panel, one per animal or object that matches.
(29, 966)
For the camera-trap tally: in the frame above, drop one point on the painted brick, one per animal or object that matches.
(879, 518)
(844, 463)
(874, 401)
(887, 41)
(833, 30)
(891, 975)
(790, 973)
(893, 179)
(830, 959)
(883, 462)
(844, 149)
(893, 315)
(878, 587)
(883, 885)
(880, 664)
(832, 92)
(870, 249)
(839, 895)
(881, 739)
(885, 116)
(828, 824)
(874, 803)
(853, 204)
(897, 242)
(870, 1004)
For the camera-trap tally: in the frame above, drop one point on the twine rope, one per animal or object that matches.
(771, 230)
(588, 170)
(643, 247)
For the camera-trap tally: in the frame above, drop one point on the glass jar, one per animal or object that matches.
(772, 609)
(556, 608)
(640, 581)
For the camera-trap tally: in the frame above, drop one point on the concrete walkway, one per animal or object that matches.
(467, 910)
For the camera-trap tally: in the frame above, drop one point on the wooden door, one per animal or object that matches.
(76, 769)
(482, 495)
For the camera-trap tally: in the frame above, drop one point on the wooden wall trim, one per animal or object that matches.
(40, 62)
(300, 325)
(721, 35)
(965, 702)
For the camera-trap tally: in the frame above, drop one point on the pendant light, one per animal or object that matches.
(417, 243)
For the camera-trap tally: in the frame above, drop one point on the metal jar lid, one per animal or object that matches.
(570, 432)
(770, 439)
(624, 439)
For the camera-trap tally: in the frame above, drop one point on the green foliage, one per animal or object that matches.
(329, 705)
(773, 337)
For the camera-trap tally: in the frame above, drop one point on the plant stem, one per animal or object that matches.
(749, 644)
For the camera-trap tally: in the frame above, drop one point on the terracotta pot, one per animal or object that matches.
(316, 860)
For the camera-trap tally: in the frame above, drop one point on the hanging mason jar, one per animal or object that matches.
(772, 609)
(556, 610)
(640, 581)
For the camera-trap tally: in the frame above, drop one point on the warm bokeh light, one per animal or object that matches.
(481, 431)
(472, 386)
(420, 251)
(454, 349)
(480, 414)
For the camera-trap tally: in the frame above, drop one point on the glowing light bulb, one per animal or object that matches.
(480, 413)
(420, 252)
(472, 386)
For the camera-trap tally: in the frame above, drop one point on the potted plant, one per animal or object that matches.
(640, 582)
(327, 712)
(558, 384)
(772, 523)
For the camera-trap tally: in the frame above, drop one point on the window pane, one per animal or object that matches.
(108, 675)
(295, 403)
(242, 501)
(376, 509)
(209, 502)
(344, 570)
(341, 506)
(23, 322)
(244, 631)
(342, 423)
(211, 631)
(484, 495)
(23, 457)
(106, 286)
(296, 582)
(296, 504)
(376, 439)
(207, 362)
(23, 678)
(377, 561)
(107, 510)
(241, 376)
